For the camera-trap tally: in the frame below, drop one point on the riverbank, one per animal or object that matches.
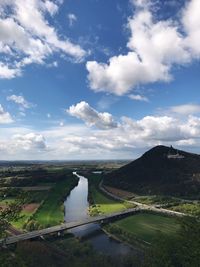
(51, 212)
(121, 240)
(100, 203)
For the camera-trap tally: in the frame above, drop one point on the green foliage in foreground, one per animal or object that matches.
(11, 212)
(51, 212)
(188, 208)
(144, 227)
(158, 199)
(58, 253)
(180, 250)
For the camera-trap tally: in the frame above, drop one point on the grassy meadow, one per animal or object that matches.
(103, 204)
(51, 212)
(144, 227)
(99, 202)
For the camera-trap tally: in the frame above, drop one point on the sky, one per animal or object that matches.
(98, 79)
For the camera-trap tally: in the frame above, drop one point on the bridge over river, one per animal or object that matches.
(67, 226)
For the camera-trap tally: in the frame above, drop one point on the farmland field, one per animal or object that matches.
(146, 226)
(51, 211)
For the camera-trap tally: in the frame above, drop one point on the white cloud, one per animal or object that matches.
(27, 37)
(191, 23)
(154, 48)
(72, 19)
(141, 3)
(51, 7)
(139, 98)
(30, 141)
(92, 117)
(186, 109)
(5, 117)
(77, 141)
(7, 72)
(20, 100)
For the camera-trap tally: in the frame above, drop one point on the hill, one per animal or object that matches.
(161, 170)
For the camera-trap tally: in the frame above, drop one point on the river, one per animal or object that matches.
(76, 209)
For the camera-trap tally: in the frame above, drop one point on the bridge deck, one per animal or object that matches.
(65, 226)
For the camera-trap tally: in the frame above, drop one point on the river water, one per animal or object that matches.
(76, 208)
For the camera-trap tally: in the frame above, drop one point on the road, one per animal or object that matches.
(66, 226)
(101, 219)
(144, 206)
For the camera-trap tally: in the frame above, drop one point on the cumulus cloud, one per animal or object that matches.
(139, 98)
(154, 48)
(128, 138)
(20, 100)
(191, 23)
(5, 117)
(27, 37)
(78, 141)
(92, 117)
(30, 141)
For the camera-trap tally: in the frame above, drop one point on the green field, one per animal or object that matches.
(51, 212)
(103, 204)
(144, 226)
(32, 197)
(25, 215)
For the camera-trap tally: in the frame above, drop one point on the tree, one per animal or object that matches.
(11, 212)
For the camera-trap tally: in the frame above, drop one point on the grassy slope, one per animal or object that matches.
(51, 211)
(146, 226)
(99, 202)
(102, 204)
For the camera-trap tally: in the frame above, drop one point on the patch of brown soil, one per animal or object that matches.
(31, 207)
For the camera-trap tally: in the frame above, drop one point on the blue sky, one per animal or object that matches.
(98, 79)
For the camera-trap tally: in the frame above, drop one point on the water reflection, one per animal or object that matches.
(76, 204)
(76, 209)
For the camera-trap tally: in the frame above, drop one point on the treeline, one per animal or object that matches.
(35, 177)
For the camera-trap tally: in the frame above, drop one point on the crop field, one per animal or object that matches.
(146, 226)
(51, 212)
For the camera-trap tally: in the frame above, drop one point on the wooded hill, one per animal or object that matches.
(161, 170)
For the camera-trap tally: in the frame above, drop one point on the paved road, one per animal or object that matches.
(144, 206)
(65, 226)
